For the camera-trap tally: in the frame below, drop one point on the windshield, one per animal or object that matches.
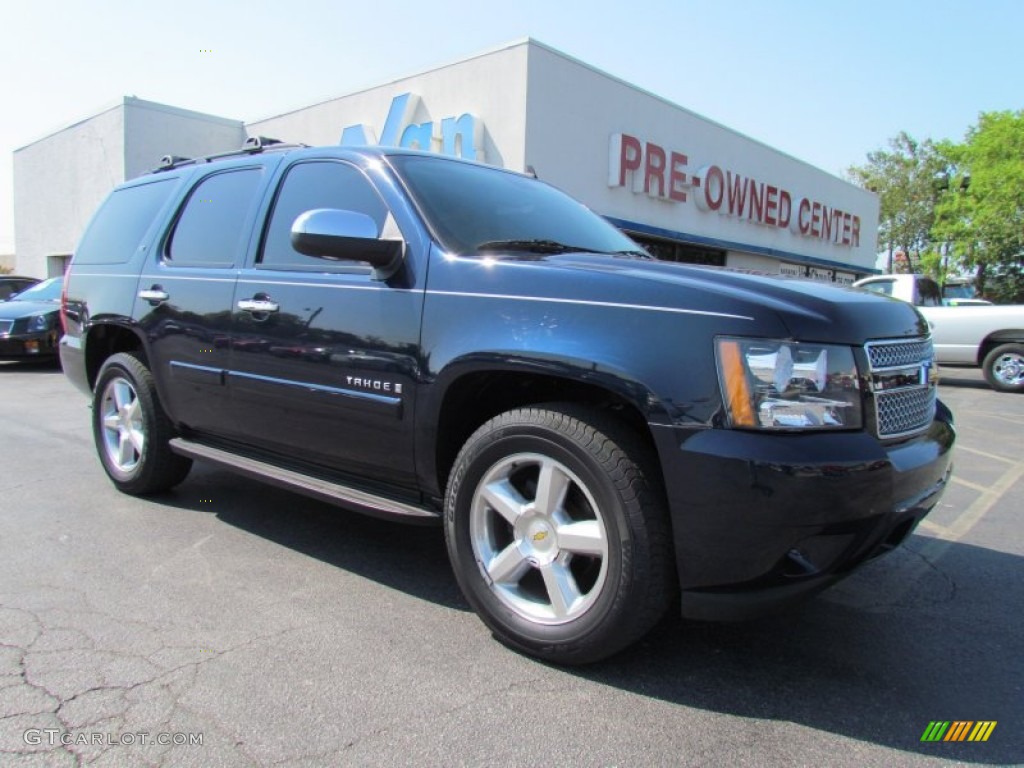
(472, 208)
(48, 290)
(958, 291)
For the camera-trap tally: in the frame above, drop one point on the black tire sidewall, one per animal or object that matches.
(593, 629)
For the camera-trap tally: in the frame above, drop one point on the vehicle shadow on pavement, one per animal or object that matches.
(409, 558)
(899, 644)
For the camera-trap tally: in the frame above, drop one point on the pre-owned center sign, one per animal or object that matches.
(663, 174)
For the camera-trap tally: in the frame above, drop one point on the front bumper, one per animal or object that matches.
(23, 346)
(763, 520)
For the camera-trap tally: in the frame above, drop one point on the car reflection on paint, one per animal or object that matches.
(250, 345)
(30, 322)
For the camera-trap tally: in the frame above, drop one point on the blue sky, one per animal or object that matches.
(823, 80)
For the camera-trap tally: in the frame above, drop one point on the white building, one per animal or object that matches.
(686, 187)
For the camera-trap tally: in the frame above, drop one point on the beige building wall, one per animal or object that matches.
(58, 182)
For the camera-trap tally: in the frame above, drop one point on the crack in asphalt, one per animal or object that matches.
(29, 703)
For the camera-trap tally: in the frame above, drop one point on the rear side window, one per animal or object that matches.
(211, 227)
(316, 185)
(117, 229)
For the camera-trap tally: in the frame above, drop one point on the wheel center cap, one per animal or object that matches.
(537, 540)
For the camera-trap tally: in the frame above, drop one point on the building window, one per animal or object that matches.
(57, 264)
(684, 253)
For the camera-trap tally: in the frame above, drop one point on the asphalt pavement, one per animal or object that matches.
(243, 625)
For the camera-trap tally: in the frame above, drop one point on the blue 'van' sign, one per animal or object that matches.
(455, 136)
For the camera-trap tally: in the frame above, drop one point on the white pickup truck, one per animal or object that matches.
(988, 336)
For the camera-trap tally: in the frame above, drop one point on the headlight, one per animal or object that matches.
(38, 323)
(787, 385)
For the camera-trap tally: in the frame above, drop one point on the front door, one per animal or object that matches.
(324, 357)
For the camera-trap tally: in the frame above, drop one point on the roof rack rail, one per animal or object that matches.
(169, 161)
(252, 145)
(258, 143)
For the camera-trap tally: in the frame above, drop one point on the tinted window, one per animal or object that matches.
(11, 287)
(468, 205)
(884, 287)
(958, 291)
(316, 185)
(210, 228)
(118, 227)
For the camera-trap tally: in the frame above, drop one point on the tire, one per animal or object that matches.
(1004, 368)
(131, 429)
(557, 532)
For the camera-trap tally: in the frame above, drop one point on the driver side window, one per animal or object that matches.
(310, 185)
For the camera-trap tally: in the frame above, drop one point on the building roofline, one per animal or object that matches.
(393, 80)
(531, 42)
(134, 101)
(108, 107)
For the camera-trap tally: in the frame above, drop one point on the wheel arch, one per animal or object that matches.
(998, 338)
(104, 339)
(474, 394)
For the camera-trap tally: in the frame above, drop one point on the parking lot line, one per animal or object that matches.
(961, 447)
(1001, 417)
(946, 536)
(968, 484)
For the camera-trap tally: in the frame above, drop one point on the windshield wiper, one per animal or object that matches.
(533, 246)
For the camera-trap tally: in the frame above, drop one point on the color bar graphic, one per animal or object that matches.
(958, 730)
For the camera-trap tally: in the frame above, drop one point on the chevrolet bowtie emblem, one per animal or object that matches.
(540, 535)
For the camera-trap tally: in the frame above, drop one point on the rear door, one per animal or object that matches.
(323, 362)
(183, 303)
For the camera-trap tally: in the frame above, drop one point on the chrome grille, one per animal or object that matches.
(5, 326)
(905, 411)
(903, 385)
(894, 354)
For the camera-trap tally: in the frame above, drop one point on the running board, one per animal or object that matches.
(318, 488)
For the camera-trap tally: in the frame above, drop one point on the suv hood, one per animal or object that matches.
(811, 311)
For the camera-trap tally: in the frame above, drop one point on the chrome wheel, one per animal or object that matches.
(1008, 369)
(124, 436)
(539, 538)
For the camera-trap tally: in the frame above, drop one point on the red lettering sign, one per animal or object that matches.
(654, 169)
(677, 177)
(662, 174)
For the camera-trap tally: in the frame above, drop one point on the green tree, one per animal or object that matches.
(903, 177)
(982, 216)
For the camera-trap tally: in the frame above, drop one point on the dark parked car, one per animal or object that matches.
(30, 322)
(12, 284)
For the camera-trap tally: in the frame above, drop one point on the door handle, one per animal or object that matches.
(258, 306)
(154, 295)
